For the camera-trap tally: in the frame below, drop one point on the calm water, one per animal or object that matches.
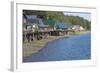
(72, 48)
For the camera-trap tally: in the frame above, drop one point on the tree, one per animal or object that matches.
(53, 18)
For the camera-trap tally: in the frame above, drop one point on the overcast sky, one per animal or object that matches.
(81, 14)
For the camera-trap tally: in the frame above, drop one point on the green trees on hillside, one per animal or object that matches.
(53, 18)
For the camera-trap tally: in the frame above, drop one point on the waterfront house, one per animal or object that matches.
(35, 25)
(77, 28)
(62, 26)
(30, 25)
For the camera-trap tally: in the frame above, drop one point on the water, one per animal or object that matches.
(72, 48)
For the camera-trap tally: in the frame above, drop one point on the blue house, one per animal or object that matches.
(62, 25)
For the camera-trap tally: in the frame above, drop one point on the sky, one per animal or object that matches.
(81, 14)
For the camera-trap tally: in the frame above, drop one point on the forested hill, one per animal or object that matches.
(60, 17)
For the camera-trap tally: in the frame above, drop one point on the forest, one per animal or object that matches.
(55, 17)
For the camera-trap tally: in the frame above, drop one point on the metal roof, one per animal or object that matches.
(62, 25)
(34, 19)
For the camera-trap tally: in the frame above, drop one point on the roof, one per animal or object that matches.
(77, 27)
(24, 16)
(31, 16)
(34, 19)
(62, 25)
(41, 24)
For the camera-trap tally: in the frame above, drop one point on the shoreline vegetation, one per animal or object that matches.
(36, 45)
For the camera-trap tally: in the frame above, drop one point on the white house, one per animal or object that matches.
(77, 28)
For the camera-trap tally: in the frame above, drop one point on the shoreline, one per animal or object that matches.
(34, 46)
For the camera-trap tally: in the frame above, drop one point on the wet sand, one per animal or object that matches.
(76, 47)
(34, 46)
